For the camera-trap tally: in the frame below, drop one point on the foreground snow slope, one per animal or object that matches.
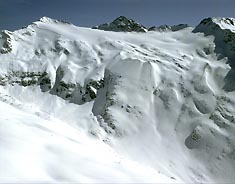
(37, 147)
(97, 106)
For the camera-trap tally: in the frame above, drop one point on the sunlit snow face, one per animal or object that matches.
(89, 105)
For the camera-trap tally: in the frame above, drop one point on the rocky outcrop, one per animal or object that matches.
(104, 100)
(72, 92)
(25, 78)
(122, 24)
(224, 37)
(223, 30)
(164, 28)
(75, 92)
(5, 36)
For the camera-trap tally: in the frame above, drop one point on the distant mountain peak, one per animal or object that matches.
(122, 20)
(46, 19)
(122, 24)
(223, 30)
(226, 20)
(165, 28)
(223, 23)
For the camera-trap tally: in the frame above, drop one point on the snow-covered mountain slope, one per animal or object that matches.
(42, 141)
(86, 105)
(223, 29)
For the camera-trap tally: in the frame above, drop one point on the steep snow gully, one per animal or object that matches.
(118, 105)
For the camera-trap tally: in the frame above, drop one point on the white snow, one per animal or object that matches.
(164, 94)
(225, 23)
(35, 149)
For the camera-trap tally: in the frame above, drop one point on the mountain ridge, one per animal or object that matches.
(156, 104)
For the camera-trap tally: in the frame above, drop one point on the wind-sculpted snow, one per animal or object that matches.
(86, 105)
(223, 30)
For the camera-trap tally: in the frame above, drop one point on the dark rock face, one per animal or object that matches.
(73, 92)
(6, 47)
(160, 28)
(224, 43)
(25, 78)
(106, 99)
(179, 27)
(224, 38)
(122, 24)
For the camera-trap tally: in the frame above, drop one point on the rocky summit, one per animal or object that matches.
(122, 24)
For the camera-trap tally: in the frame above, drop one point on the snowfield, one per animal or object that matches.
(93, 106)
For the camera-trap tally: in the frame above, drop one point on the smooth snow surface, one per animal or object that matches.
(36, 147)
(162, 115)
